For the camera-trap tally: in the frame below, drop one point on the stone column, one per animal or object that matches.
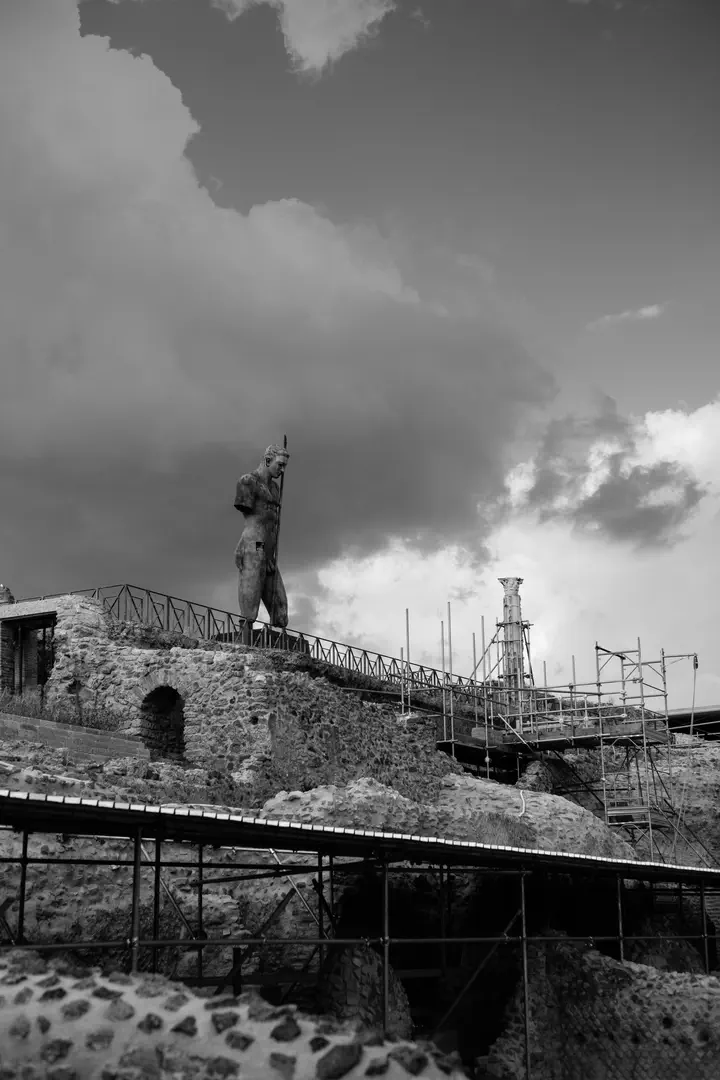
(514, 661)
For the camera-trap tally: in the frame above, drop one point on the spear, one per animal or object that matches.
(277, 541)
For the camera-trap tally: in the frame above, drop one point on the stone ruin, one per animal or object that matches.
(290, 743)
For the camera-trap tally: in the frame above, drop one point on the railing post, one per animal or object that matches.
(201, 933)
(526, 977)
(703, 916)
(385, 947)
(135, 913)
(23, 885)
(156, 901)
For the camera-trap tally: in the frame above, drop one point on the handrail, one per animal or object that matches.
(145, 607)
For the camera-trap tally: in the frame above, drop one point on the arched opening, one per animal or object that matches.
(163, 724)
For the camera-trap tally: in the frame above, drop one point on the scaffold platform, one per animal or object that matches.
(474, 746)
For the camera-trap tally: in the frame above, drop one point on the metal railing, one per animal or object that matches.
(145, 607)
(529, 712)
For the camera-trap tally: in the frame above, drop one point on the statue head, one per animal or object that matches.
(275, 460)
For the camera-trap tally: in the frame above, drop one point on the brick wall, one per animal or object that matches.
(29, 658)
(7, 657)
(84, 743)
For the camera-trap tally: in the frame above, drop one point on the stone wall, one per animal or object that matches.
(82, 743)
(599, 1019)
(271, 719)
(322, 735)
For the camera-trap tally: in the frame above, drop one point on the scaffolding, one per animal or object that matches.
(236, 848)
(623, 713)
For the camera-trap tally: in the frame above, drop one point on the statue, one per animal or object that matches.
(258, 498)
(6, 597)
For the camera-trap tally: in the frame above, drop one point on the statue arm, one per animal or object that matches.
(245, 494)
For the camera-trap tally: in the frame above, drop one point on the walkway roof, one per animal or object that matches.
(100, 817)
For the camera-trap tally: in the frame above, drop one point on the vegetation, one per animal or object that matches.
(33, 705)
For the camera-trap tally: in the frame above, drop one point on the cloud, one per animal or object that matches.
(152, 343)
(318, 32)
(651, 311)
(578, 588)
(589, 472)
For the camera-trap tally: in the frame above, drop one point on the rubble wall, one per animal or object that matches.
(595, 1018)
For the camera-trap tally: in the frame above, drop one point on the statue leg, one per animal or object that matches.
(274, 598)
(250, 561)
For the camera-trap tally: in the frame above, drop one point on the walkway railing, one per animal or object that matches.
(129, 603)
(530, 711)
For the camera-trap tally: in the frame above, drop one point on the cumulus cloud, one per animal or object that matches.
(650, 311)
(578, 589)
(589, 471)
(153, 343)
(318, 32)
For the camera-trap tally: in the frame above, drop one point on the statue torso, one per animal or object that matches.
(259, 502)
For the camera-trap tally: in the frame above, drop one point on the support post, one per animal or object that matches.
(443, 924)
(321, 907)
(23, 886)
(703, 916)
(402, 681)
(475, 701)
(407, 654)
(526, 976)
(485, 695)
(442, 661)
(201, 933)
(386, 947)
(156, 902)
(135, 913)
(450, 670)
(621, 931)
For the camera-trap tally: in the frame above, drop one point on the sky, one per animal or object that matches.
(464, 253)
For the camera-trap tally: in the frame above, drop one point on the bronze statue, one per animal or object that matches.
(258, 498)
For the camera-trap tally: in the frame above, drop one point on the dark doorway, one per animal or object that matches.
(163, 724)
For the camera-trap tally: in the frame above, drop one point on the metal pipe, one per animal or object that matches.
(407, 653)
(321, 902)
(135, 912)
(293, 885)
(386, 949)
(23, 884)
(645, 747)
(703, 916)
(443, 922)
(478, 970)
(180, 913)
(485, 696)
(475, 701)
(402, 686)
(442, 661)
(200, 933)
(157, 885)
(526, 979)
(450, 669)
(185, 943)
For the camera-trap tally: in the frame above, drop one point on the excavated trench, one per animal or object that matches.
(459, 994)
